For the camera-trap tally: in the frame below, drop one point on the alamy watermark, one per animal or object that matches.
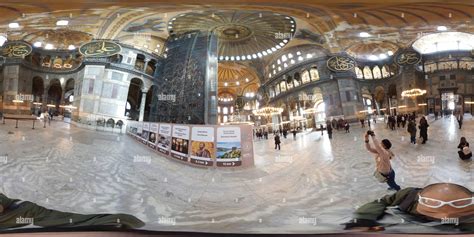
(167, 97)
(144, 159)
(307, 220)
(450, 220)
(24, 97)
(425, 159)
(306, 97)
(167, 220)
(24, 220)
(4, 159)
(280, 35)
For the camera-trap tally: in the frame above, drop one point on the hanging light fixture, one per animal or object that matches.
(267, 111)
(413, 92)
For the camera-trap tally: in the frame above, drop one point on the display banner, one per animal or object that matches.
(198, 145)
(153, 134)
(229, 146)
(180, 142)
(139, 130)
(164, 139)
(203, 150)
(133, 128)
(145, 132)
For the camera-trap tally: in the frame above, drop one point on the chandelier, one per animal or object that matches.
(267, 111)
(413, 92)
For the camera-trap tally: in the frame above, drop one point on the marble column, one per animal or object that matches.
(45, 98)
(145, 65)
(142, 106)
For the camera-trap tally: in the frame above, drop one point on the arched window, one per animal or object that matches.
(305, 76)
(296, 82)
(225, 110)
(377, 73)
(367, 73)
(314, 74)
(277, 89)
(385, 71)
(283, 86)
(359, 73)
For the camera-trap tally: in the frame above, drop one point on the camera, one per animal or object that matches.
(371, 133)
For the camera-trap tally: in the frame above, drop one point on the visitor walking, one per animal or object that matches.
(329, 130)
(411, 128)
(384, 171)
(464, 152)
(322, 129)
(423, 129)
(277, 141)
(294, 134)
(460, 119)
(347, 126)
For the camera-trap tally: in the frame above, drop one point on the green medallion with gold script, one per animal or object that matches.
(16, 49)
(100, 48)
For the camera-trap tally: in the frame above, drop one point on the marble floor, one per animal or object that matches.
(311, 186)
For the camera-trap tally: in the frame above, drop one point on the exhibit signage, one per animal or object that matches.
(164, 139)
(153, 134)
(198, 145)
(145, 132)
(203, 150)
(229, 146)
(180, 142)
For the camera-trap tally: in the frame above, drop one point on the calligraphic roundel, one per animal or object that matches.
(100, 48)
(341, 63)
(408, 57)
(16, 49)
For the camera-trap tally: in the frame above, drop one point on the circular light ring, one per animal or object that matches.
(249, 26)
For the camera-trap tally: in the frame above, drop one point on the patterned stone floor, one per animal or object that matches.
(311, 186)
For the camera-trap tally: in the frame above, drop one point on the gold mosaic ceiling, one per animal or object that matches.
(236, 78)
(242, 35)
(335, 23)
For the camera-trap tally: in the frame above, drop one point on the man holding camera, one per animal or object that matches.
(383, 155)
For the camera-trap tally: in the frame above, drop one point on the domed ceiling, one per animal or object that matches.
(235, 78)
(59, 39)
(242, 35)
(334, 25)
(372, 51)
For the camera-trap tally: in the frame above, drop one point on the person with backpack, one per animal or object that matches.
(464, 152)
(411, 128)
(277, 141)
(423, 129)
(329, 130)
(384, 171)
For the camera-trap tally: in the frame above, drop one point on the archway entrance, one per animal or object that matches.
(132, 107)
(55, 93)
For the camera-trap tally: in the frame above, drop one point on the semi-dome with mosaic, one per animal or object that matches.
(242, 35)
(58, 39)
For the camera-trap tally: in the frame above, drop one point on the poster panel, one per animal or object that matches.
(229, 146)
(153, 135)
(203, 149)
(164, 139)
(180, 142)
(145, 132)
(133, 128)
(139, 130)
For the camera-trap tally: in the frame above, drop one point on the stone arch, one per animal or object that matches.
(134, 97)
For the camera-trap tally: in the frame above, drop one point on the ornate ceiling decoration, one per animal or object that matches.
(242, 35)
(444, 41)
(372, 51)
(60, 39)
(236, 78)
